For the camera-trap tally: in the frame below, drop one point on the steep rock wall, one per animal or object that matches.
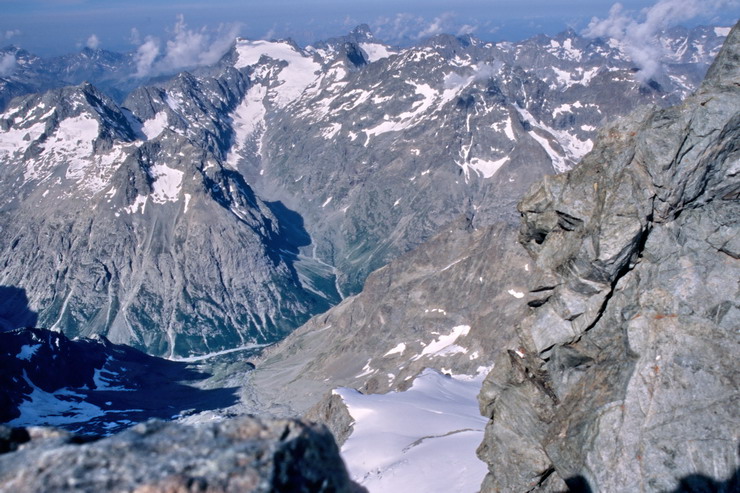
(625, 378)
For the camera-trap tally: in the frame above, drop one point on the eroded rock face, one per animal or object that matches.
(231, 456)
(625, 378)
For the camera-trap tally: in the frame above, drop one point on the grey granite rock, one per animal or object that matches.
(332, 411)
(626, 376)
(243, 455)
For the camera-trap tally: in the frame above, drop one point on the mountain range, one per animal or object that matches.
(321, 163)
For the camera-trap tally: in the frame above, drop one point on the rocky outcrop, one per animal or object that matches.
(332, 411)
(624, 375)
(241, 455)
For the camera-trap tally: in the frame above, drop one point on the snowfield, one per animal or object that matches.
(423, 439)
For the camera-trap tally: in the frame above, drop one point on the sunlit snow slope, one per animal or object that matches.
(423, 439)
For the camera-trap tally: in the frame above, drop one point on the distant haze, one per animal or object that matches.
(49, 27)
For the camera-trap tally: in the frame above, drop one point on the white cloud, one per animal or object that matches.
(93, 42)
(408, 27)
(186, 48)
(397, 28)
(454, 80)
(466, 29)
(11, 33)
(637, 32)
(145, 56)
(489, 70)
(437, 26)
(7, 64)
(271, 34)
(484, 71)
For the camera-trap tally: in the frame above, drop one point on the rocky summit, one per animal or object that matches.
(244, 455)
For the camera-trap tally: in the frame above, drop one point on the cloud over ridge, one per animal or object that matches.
(186, 48)
(637, 33)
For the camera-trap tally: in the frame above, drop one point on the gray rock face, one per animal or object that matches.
(625, 378)
(244, 455)
(332, 412)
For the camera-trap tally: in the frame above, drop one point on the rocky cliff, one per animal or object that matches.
(624, 375)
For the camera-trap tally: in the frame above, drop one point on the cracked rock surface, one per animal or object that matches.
(625, 377)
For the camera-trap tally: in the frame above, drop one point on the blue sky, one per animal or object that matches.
(60, 26)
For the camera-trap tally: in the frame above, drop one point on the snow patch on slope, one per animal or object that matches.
(103, 379)
(94, 175)
(16, 140)
(505, 127)
(139, 205)
(155, 126)
(27, 351)
(445, 345)
(573, 149)
(483, 167)
(72, 142)
(167, 183)
(376, 51)
(331, 131)
(62, 407)
(722, 32)
(407, 119)
(71, 145)
(399, 349)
